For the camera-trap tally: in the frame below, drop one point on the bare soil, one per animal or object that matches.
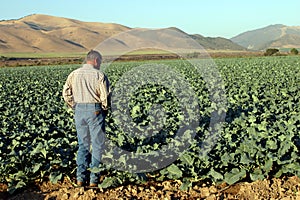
(18, 62)
(285, 188)
(21, 62)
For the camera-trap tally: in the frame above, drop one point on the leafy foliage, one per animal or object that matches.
(294, 51)
(259, 139)
(271, 51)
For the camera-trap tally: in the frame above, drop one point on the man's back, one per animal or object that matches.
(87, 85)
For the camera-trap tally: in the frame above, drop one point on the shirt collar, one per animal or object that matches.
(88, 66)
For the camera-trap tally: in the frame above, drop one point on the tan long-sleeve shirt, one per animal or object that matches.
(86, 85)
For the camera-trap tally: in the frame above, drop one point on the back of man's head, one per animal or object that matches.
(92, 55)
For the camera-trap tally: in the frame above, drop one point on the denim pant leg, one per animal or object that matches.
(97, 132)
(83, 155)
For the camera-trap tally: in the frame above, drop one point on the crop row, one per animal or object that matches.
(259, 136)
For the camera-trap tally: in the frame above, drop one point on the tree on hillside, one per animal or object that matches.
(294, 51)
(270, 52)
(3, 58)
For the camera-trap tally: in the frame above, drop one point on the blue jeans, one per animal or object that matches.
(90, 127)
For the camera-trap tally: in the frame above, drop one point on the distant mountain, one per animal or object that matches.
(216, 43)
(43, 33)
(273, 36)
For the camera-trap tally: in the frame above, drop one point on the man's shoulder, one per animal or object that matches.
(100, 74)
(88, 70)
(83, 69)
(76, 70)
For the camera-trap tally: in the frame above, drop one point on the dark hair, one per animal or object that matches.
(92, 55)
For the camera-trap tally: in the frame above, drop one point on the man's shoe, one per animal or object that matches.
(93, 185)
(79, 183)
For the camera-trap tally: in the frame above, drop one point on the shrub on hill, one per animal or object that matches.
(270, 52)
(294, 51)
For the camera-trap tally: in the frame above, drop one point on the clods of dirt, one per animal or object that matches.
(285, 188)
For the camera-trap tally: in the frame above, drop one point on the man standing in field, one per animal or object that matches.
(87, 91)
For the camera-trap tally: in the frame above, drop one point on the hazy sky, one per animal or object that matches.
(225, 18)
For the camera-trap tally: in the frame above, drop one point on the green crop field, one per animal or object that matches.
(259, 138)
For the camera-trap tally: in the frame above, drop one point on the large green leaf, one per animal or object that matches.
(55, 177)
(234, 175)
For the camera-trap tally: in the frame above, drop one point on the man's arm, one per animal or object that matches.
(67, 92)
(105, 93)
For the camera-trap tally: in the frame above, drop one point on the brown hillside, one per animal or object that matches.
(287, 41)
(42, 33)
(278, 35)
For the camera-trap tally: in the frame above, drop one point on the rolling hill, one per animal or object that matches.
(273, 36)
(44, 33)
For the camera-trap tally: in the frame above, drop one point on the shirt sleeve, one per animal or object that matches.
(67, 92)
(105, 93)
